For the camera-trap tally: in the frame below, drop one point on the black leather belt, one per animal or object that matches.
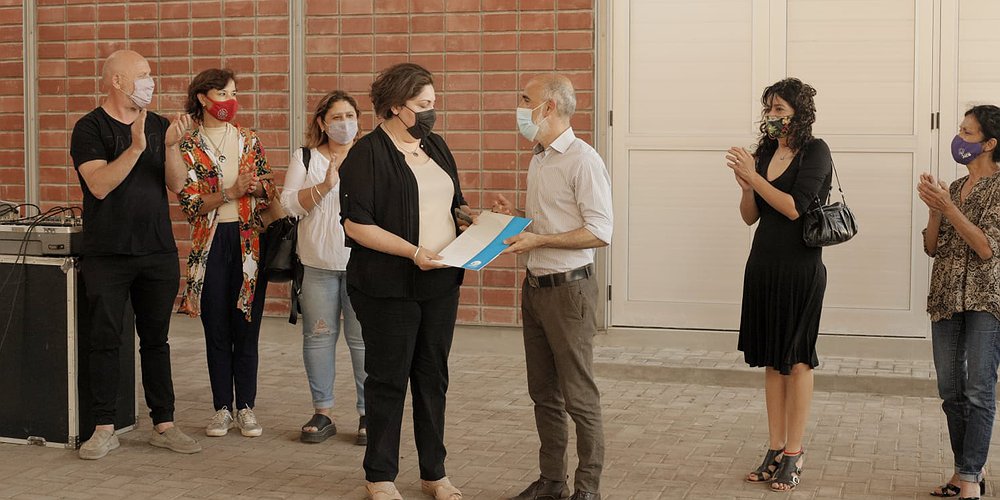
(557, 279)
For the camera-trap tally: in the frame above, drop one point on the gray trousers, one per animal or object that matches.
(559, 327)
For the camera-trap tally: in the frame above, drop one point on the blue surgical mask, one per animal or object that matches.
(527, 126)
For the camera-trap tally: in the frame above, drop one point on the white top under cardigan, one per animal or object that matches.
(321, 237)
(435, 191)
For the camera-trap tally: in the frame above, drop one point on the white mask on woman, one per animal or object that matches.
(342, 131)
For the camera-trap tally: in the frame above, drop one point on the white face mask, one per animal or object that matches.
(343, 131)
(142, 95)
(525, 125)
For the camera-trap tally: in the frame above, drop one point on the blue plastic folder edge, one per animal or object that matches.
(490, 252)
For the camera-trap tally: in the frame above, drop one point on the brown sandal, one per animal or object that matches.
(383, 490)
(442, 489)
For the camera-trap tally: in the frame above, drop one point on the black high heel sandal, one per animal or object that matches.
(949, 490)
(982, 491)
(765, 472)
(789, 473)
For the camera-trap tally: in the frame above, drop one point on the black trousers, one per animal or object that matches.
(151, 281)
(230, 340)
(405, 341)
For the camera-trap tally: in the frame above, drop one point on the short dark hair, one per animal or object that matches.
(396, 85)
(988, 117)
(210, 79)
(316, 137)
(799, 96)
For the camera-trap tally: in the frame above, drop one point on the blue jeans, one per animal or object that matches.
(966, 354)
(324, 296)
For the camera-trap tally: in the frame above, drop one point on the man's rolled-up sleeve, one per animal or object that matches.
(593, 196)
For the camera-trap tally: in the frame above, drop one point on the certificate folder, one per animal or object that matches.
(482, 241)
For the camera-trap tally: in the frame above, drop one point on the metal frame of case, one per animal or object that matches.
(69, 267)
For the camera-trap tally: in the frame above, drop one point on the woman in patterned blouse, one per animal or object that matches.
(228, 186)
(963, 237)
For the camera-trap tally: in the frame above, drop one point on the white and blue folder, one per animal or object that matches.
(482, 241)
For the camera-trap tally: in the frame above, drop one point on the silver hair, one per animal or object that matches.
(559, 89)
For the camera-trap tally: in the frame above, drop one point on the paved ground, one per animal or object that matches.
(664, 440)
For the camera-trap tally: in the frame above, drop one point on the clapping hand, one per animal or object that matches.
(742, 163)
(332, 173)
(139, 131)
(934, 193)
(179, 126)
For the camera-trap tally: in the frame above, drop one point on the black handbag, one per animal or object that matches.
(280, 255)
(829, 224)
(281, 258)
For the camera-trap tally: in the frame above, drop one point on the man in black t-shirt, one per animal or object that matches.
(120, 152)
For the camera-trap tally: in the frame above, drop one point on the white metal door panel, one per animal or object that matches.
(687, 77)
(686, 73)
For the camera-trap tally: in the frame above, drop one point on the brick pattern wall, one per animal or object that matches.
(480, 51)
(11, 102)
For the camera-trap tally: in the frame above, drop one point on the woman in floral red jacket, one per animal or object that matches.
(227, 189)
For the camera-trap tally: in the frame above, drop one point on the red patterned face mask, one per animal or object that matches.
(223, 111)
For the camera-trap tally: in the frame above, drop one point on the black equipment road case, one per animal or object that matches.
(44, 327)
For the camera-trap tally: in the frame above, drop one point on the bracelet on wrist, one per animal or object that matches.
(225, 196)
(415, 253)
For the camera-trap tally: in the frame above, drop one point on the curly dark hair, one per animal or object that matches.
(210, 79)
(397, 84)
(799, 96)
(988, 117)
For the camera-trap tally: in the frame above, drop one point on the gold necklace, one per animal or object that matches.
(787, 156)
(399, 144)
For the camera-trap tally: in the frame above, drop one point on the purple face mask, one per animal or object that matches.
(964, 152)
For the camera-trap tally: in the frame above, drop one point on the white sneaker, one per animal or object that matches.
(247, 422)
(220, 424)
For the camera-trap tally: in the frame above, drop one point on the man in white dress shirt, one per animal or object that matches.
(569, 202)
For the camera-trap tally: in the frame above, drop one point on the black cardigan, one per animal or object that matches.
(377, 187)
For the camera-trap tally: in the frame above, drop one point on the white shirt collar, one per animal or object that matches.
(561, 144)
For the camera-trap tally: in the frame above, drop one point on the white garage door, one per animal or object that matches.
(687, 78)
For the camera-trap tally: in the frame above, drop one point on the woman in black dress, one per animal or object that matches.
(785, 280)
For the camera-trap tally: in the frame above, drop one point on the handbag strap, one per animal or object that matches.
(820, 204)
(839, 188)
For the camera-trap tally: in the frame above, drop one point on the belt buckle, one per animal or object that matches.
(533, 281)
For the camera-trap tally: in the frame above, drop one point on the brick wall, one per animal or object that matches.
(480, 51)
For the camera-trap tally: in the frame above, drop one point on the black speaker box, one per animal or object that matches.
(44, 383)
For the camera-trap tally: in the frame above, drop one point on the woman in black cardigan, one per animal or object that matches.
(399, 187)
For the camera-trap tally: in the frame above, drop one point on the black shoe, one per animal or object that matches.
(585, 495)
(362, 439)
(544, 489)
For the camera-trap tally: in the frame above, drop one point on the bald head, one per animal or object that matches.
(557, 88)
(122, 67)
